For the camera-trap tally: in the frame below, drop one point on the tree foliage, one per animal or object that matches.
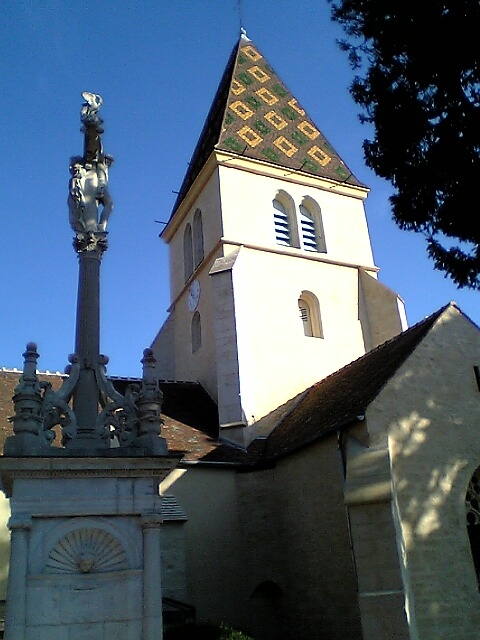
(418, 83)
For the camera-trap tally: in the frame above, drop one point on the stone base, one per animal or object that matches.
(26, 445)
(85, 555)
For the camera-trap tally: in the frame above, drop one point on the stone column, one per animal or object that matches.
(90, 248)
(152, 578)
(15, 619)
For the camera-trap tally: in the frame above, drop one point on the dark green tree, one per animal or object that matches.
(418, 83)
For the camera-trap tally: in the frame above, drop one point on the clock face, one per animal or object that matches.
(193, 295)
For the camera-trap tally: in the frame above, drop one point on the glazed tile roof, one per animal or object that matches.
(255, 116)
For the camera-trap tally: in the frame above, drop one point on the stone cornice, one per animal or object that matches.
(40, 468)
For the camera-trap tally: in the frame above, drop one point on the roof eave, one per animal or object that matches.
(269, 169)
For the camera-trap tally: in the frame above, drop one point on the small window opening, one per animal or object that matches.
(282, 224)
(196, 332)
(313, 236)
(187, 252)
(306, 318)
(198, 250)
(309, 310)
(309, 234)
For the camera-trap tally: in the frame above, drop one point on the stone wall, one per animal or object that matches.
(212, 541)
(430, 410)
(295, 535)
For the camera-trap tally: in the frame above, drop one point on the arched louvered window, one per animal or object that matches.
(313, 237)
(286, 233)
(187, 252)
(198, 251)
(309, 233)
(472, 503)
(196, 332)
(309, 311)
(282, 224)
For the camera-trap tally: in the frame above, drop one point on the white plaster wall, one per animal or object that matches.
(228, 381)
(208, 201)
(200, 365)
(276, 359)
(248, 214)
(430, 410)
(382, 311)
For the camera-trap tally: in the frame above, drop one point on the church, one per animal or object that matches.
(330, 485)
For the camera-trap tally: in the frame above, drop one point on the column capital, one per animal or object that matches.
(20, 521)
(152, 521)
(91, 244)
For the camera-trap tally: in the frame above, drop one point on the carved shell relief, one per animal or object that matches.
(88, 550)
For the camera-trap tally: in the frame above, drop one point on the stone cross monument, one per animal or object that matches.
(84, 463)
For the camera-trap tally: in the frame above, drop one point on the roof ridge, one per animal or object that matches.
(114, 378)
(344, 395)
(37, 371)
(200, 154)
(415, 327)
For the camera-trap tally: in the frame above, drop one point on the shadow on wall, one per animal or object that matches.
(435, 450)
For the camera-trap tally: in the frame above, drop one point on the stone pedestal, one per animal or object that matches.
(85, 555)
(86, 515)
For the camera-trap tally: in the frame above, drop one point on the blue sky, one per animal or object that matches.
(157, 65)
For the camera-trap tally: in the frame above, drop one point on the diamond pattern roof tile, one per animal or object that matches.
(254, 115)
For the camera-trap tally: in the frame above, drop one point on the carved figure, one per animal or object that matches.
(89, 201)
(89, 112)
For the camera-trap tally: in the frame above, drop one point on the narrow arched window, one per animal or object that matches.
(196, 332)
(187, 252)
(198, 251)
(282, 224)
(309, 311)
(305, 317)
(309, 233)
(286, 233)
(313, 237)
(472, 503)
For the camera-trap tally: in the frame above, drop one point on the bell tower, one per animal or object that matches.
(273, 283)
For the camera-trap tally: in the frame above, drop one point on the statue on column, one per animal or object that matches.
(89, 202)
(91, 414)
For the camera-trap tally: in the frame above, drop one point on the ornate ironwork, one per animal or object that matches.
(90, 413)
(472, 500)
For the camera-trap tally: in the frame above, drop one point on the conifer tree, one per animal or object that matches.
(418, 83)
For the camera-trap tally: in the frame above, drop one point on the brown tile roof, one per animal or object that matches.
(254, 115)
(191, 418)
(190, 415)
(8, 381)
(339, 399)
